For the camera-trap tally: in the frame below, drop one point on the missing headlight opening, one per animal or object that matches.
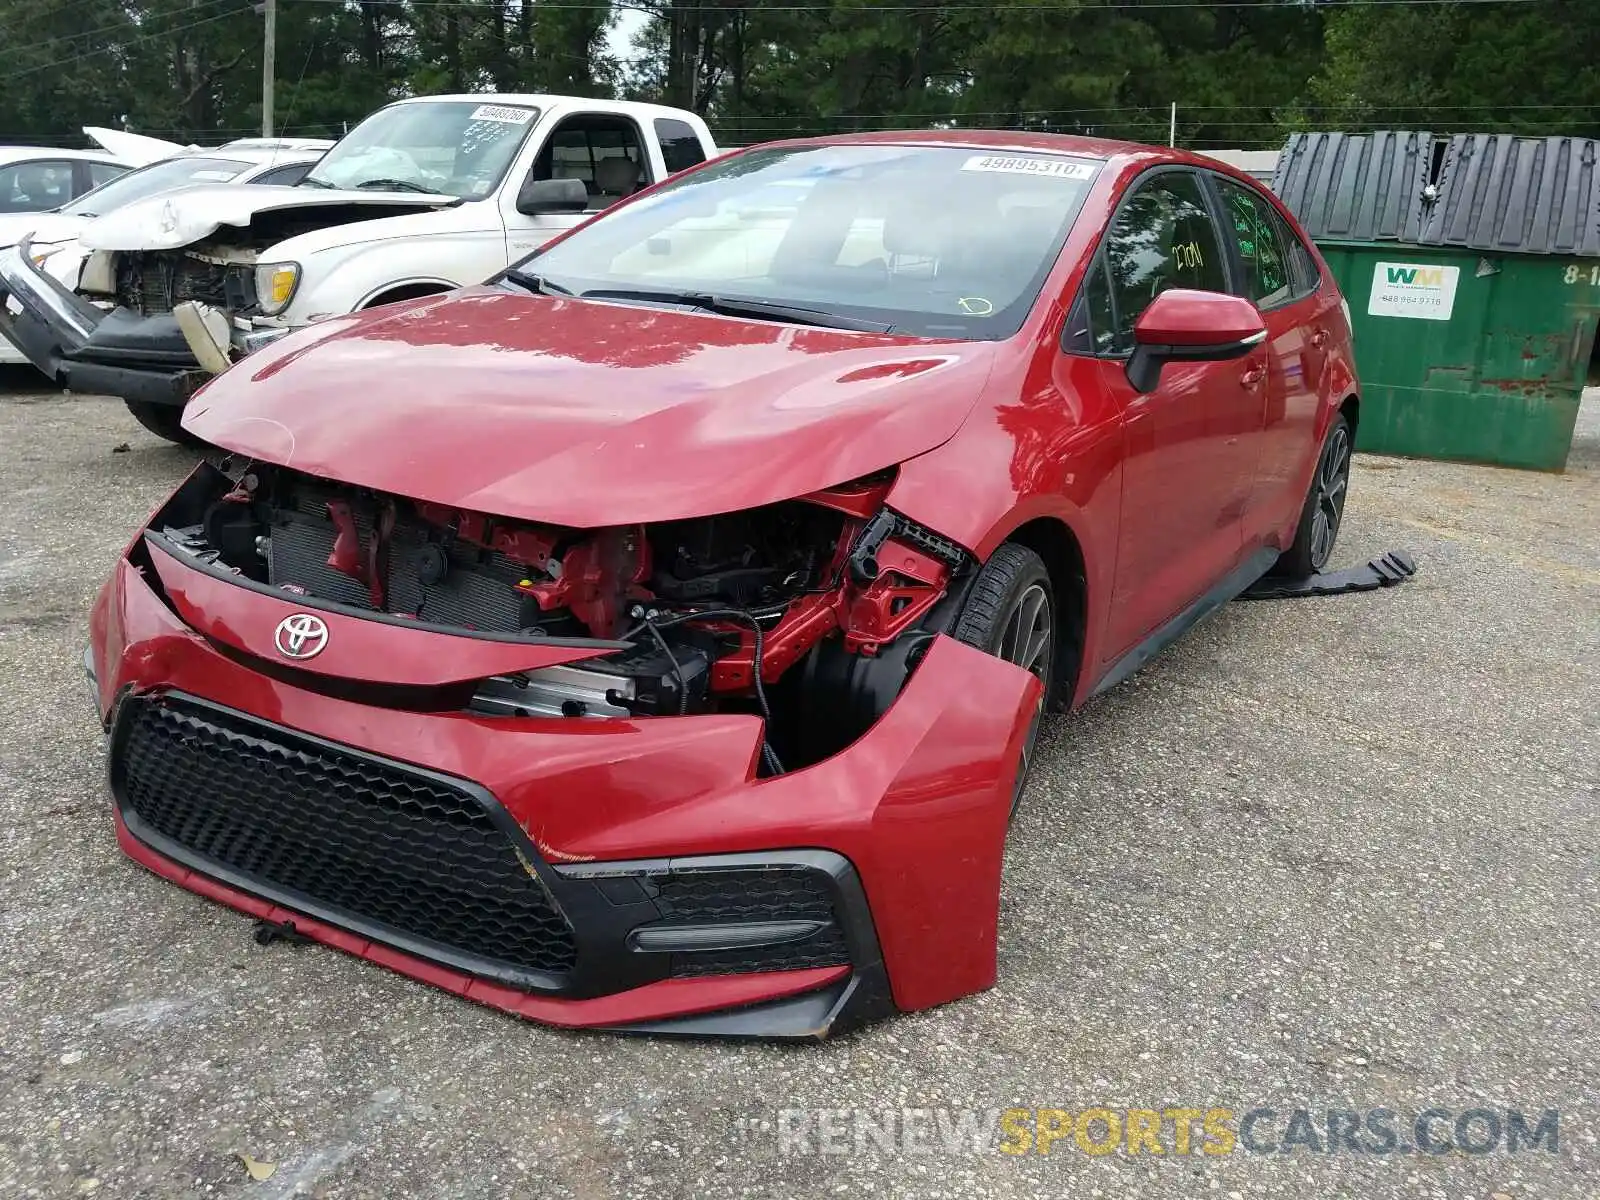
(810, 612)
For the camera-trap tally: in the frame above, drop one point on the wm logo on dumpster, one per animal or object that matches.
(1421, 291)
(1416, 276)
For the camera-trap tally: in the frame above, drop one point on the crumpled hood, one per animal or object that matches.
(586, 414)
(175, 219)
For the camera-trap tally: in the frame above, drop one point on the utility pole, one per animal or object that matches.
(269, 63)
(1172, 122)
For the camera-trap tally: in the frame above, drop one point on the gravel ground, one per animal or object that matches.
(1322, 854)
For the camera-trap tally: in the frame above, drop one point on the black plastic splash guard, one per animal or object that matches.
(1384, 571)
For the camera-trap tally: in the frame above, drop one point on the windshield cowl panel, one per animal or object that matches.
(455, 148)
(930, 241)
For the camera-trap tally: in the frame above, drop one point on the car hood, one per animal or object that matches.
(44, 228)
(174, 219)
(135, 149)
(585, 414)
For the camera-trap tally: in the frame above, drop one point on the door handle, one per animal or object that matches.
(1319, 338)
(1252, 377)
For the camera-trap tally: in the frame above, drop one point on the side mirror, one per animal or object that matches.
(1181, 325)
(552, 196)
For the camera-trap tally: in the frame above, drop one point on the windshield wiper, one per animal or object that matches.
(308, 181)
(396, 185)
(537, 283)
(735, 306)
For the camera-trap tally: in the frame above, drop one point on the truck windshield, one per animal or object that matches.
(451, 147)
(931, 240)
(147, 181)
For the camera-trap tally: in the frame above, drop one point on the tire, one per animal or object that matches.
(1013, 590)
(163, 421)
(1323, 511)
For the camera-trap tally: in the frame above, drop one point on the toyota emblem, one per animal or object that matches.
(301, 636)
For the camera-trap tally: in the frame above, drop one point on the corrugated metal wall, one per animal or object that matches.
(1358, 187)
(1531, 195)
(1491, 192)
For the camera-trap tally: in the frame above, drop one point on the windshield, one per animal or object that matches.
(933, 241)
(147, 181)
(453, 147)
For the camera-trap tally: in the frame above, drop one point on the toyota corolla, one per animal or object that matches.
(656, 637)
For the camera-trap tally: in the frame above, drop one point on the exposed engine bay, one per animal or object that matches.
(218, 269)
(810, 612)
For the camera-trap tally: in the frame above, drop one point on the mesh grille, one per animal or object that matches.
(388, 847)
(757, 894)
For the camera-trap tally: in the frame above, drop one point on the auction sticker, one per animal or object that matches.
(499, 112)
(1013, 164)
(1420, 291)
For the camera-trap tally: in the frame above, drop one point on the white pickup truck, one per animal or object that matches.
(423, 196)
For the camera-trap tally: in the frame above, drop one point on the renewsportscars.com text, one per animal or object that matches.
(1157, 1132)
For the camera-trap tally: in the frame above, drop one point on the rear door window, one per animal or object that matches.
(100, 172)
(1303, 271)
(1258, 238)
(680, 144)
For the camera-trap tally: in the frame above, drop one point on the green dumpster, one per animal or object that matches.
(1471, 265)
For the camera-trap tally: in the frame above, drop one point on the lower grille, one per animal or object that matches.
(396, 854)
(723, 897)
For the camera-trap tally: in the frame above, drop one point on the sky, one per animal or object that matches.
(619, 39)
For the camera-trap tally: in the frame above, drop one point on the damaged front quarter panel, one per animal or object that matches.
(918, 803)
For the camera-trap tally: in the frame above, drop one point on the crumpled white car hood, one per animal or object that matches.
(170, 221)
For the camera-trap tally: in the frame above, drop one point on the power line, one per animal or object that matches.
(1287, 7)
(127, 23)
(121, 45)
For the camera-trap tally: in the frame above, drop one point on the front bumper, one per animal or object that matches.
(87, 349)
(613, 821)
(118, 352)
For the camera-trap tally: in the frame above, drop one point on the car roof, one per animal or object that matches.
(545, 100)
(1010, 139)
(276, 144)
(15, 154)
(258, 155)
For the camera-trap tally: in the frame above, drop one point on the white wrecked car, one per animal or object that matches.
(423, 196)
(52, 235)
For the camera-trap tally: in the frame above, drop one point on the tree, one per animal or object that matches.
(1463, 67)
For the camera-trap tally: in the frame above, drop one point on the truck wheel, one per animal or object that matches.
(1011, 614)
(163, 421)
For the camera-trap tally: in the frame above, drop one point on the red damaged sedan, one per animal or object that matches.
(656, 637)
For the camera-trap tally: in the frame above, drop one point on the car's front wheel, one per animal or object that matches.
(1011, 614)
(163, 420)
(1323, 512)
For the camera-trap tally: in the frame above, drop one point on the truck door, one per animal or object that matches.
(607, 151)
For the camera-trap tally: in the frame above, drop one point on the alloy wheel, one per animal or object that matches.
(1028, 640)
(1333, 482)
